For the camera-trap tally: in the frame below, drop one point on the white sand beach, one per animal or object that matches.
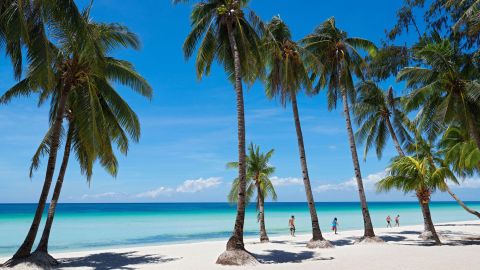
(402, 250)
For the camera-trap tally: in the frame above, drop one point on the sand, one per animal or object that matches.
(402, 250)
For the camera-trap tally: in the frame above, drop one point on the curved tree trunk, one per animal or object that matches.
(462, 204)
(43, 245)
(316, 232)
(394, 137)
(367, 221)
(261, 216)
(428, 221)
(26, 247)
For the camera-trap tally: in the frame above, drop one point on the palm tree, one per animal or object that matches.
(24, 23)
(414, 174)
(78, 62)
(462, 156)
(221, 31)
(288, 71)
(374, 110)
(114, 120)
(341, 60)
(445, 88)
(259, 172)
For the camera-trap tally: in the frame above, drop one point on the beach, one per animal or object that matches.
(402, 250)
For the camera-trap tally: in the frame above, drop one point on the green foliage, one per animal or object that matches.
(98, 116)
(460, 151)
(211, 21)
(375, 111)
(414, 174)
(444, 89)
(288, 64)
(259, 172)
(340, 59)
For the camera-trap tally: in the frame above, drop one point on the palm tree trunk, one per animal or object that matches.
(367, 221)
(26, 247)
(316, 232)
(43, 245)
(236, 241)
(402, 154)
(428, 221)
(462, 204)
(394, 138)
(473, 131)
(261, 215)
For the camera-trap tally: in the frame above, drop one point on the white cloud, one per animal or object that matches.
(368, 183)
(106, 195)
(196, 185)
(327, 130)
(152, 194)
(286, 181)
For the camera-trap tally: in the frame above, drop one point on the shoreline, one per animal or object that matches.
(460, 250)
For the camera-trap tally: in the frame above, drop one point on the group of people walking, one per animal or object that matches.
(291, 224)
(389, 221)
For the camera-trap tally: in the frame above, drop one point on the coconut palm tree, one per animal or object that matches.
(415, 174)
(448, 154)
(444, 88)
(259, 172)
(114, 122)
(222, 31)
(24, 23)
(341, 60)
(288, 68)
(378, 114)
(80, 63)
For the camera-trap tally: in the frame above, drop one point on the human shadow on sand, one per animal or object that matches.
(275, 256)
(113, 260)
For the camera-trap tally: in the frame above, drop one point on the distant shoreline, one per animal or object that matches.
(277, 202)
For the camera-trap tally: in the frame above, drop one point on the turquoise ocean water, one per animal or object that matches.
(97, 226)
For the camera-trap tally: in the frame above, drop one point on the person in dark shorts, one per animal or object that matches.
(291, 224)
(397, 221)
(389, 219)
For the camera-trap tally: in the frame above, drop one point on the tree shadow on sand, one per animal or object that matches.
(275, 256)
(111, 260)
(456, 225)
(392, 238)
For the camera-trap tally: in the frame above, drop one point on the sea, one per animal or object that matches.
(87, 226)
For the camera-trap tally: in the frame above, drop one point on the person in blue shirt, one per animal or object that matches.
(334, 225)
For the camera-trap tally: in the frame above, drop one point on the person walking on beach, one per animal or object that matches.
(334, 225)
(397, 221)
(291, 224)
(389, 219)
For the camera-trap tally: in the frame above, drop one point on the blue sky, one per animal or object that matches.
(189, 128)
